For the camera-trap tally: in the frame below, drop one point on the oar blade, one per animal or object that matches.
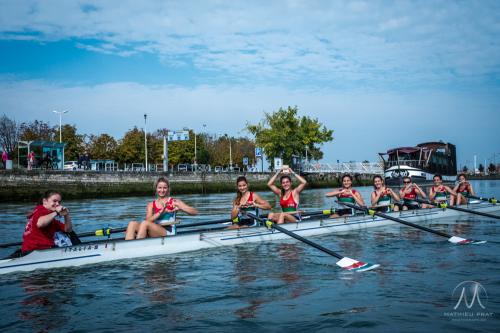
(355, 265)
(464, 241)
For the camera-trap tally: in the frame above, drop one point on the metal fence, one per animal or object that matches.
(349, 167)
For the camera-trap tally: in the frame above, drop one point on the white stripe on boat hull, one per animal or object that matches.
(91, 253)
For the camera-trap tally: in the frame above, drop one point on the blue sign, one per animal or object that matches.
(258, 152)
(245, 160)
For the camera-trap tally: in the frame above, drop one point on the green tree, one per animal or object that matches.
(36, 130)
(465, 169)
(102, 147)
(283, 133)
(481, 168)
(492, 168)
(74, 142)
(130, 148)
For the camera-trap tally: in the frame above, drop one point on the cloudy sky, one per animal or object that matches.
(379, 73)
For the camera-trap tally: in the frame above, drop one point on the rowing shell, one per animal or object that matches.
(109, 250)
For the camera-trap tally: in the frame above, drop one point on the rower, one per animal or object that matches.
(409, 193)
(160, 214)
(346, 194)
(246, 202)
(438, 193)
(382, 196)
(463, 189)
(289, 196)
(44, 229)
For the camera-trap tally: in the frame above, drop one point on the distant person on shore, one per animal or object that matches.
(409, 193)
(31, 160)
(5, 157)
(438, 193)
(44, 230)
(246, 201)
(383, 197)
(463, 190)
(346, 194)
(160, 214)
(289, 196)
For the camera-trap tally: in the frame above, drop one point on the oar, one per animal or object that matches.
(490, 200)
(108, 231)
(452, 239)
(443, 205)
(344, 262)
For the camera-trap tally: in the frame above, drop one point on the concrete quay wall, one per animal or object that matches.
(21, 185)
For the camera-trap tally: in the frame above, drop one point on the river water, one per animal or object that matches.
(270, 287)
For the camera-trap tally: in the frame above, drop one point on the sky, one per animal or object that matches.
(381, 74)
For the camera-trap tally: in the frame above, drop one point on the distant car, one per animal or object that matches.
(71, 165)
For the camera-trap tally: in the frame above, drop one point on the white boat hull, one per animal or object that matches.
(97, 252)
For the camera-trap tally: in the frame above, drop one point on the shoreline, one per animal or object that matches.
(25, 186)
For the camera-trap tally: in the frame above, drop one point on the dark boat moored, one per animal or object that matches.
(421, 162)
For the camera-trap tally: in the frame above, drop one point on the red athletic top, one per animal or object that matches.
(35, 238)
(412, 195)
(289, 204)
(170, 206)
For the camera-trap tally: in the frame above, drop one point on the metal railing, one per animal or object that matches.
(349, 167)
(411, 163)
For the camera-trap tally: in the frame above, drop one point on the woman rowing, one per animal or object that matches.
(289, 196)
(245, 202)
(346, 194)
(409, 193)
(463, 189)
(160, 214)
(44, 229)
(382, 197)
(438, 193)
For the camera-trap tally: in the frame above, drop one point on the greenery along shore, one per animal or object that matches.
(20, 185)
(282, 133)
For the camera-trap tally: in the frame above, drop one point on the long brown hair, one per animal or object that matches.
(162, 180)
(237, 201)
(281, 180)
(375, 177)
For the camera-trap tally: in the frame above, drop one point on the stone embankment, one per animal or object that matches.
(21, 185)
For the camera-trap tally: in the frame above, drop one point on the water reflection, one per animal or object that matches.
(45, 294)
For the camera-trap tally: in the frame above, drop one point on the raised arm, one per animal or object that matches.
(394, 195)
(271, 182)
(301, 179)
(449, 190)
(359, 199)
(334, 193)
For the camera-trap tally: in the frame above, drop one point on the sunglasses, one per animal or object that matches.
(406, 182)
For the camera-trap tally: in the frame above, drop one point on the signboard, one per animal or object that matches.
(278, 163)
(258, 152)
(177, 136)
(245, 160)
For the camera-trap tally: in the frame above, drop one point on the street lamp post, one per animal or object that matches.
(145, 142)
(60, 113)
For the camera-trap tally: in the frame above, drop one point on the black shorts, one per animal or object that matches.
(410, 206)
(245, 221)
(383, 209)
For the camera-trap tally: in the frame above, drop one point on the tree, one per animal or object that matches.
(9, 134)
(283, 134)
(36, 130)
(74, 142)
(465, 169)
(481, 168)
(131, 147)
(492, 168)
(102, 147)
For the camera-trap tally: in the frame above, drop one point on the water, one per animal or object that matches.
(280, 286)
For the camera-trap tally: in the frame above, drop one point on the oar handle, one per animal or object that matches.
(490, 200)
(460, 209)
(395, 219)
